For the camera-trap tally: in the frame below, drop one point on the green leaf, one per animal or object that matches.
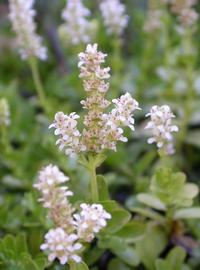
(117, 265)
(119, 216)
(102, 188)
(100, 159)
(190, 191)
(79, 266)
(193, 138)
(187, 213)
(176, 258)
(162, 265)
(173, 261)
(129, 255)
(92, 255)
(150, 247)
(21, 245)
(148, 213)
(119, 247)
(185, 267)
(171, 189)
(132, 231)
(29, 264)
(151, 201)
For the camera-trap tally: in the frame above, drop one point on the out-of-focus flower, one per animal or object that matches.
(62, 246)
(154, 21)
(185, 11)
(90, 221)
(161, 127)
(113, 13)
(22, 18)
(54, 196)
(188, 17)
(4, 113)
(76, 27)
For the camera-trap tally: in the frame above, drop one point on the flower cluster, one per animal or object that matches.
(90, 221)
(4, 113)
(154, 21)
(69, 136)
(101, 130)
(63, 241)
(113, 13)
(76, 26)
(161, 127)
(29, 43)
(185, 11)
(62, 246)
(54, 196)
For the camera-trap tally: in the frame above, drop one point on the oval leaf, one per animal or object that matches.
(187, 213)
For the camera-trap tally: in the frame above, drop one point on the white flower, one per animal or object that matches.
(113, 13)
(161, 127)
(120, 116)
(48, 177)
(21, 16)
(123, 113)
(54, 196)
(90, 221)
(4, 113)
(62, 246)
(69, 136)
(101, 130)
(76, 26)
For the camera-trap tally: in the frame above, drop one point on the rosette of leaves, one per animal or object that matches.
(170, 193)
(168, 205)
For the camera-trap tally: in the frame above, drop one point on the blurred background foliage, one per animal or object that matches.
(30, 145)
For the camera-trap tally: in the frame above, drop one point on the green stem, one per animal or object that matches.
(93, 179)
(4, 140)
(72, 265)
(117, 64)
(38, 83)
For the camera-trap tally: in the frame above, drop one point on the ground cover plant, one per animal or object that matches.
(99, 135)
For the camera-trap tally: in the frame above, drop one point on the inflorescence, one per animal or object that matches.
(22, 17)
(72, 228)
(101, 130)
(161, 127)
(76, 27)
(115, 19)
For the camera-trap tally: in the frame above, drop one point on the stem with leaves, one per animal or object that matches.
(91, 163)
(93, 179)
(72, 265)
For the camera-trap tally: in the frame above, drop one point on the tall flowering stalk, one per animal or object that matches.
(115, 20)
(28, 41)
(76, 27)
(102, 130)
(73, 228)
(114, 16)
